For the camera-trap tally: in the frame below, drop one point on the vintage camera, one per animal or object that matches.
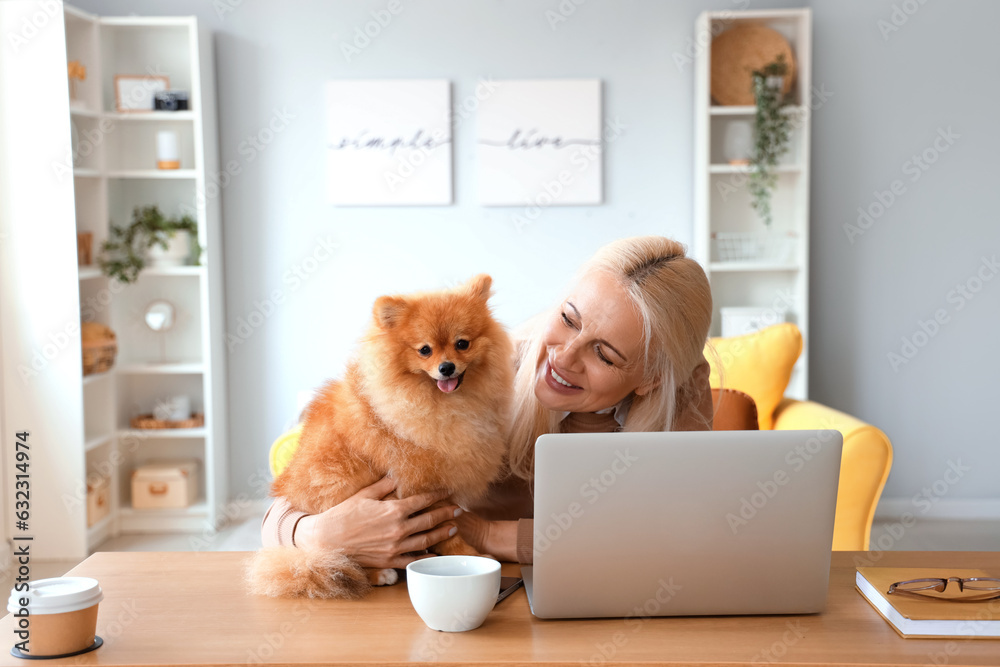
(170, 100)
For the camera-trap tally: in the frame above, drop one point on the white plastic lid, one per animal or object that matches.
(58, 595)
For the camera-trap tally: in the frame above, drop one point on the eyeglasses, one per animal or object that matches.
(980, 588)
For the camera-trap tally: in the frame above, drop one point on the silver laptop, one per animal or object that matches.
(683, 523)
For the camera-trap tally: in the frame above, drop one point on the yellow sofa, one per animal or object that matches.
(864, 467)
(760, 364)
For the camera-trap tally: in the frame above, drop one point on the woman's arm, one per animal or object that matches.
(524, 541)
(508, 541)
(278, 527)
(371, 529)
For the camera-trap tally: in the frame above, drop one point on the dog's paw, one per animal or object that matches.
(383, 577)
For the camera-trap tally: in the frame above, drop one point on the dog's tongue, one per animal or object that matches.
(448, 385)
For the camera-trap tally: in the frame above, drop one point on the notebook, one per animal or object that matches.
(911, 616)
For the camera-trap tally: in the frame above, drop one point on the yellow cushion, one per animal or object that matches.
(283, 448)
(759, 364)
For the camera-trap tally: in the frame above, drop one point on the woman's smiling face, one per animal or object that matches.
(593, 348)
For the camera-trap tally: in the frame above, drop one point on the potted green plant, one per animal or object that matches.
(151, 237)
(770, 135)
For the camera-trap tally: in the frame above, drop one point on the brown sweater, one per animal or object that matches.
(511, 499)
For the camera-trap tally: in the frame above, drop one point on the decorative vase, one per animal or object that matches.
(737, 142)
(176, 254)
(167, 153)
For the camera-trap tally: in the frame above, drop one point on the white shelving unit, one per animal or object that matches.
(722, 201)
(116, 171)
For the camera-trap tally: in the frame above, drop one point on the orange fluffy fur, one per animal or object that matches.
(389, 416)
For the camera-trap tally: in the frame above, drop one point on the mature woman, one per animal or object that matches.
(623, 351)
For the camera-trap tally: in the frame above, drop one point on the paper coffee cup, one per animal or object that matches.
(62, 614)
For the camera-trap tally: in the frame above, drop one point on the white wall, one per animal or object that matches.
(889, 99)
(894, 92)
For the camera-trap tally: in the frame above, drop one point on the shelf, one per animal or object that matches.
(94, 443)
(88, 379)
(147, 21)
(154, 173)
(149, 115)
(753, 14)
(162, 433)
(200, 508)
(84, 113)
(91, 272)
(746, 169)
(750, 110)
(752, 266)
(173, 271)
(117, 175)
(158, 369)
(182, 520)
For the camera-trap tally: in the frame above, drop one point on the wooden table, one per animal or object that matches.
(191, 608)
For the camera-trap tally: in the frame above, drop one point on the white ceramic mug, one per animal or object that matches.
(453, 593)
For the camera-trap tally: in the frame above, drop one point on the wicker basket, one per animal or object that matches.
(777, 247)
(150, 422)
(100, 346)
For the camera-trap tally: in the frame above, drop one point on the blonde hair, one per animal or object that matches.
(671, 294)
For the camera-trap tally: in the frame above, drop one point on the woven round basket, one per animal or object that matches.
(151, 422)
(737, 52)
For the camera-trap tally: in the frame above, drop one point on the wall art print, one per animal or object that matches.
(539, 143)
(389, 142)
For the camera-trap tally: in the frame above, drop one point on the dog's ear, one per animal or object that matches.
(479, 287)
(388, 311)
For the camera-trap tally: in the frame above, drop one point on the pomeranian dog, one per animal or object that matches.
(426, 399)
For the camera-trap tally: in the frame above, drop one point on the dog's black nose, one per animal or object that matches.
(446, 368)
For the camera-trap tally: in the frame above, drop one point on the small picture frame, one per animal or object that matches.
(134, 93)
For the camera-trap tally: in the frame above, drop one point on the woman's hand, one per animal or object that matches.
(496, 538)
(380, 532)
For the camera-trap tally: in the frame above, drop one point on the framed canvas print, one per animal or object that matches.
(388, 142)
(134, 93)
(540, 143)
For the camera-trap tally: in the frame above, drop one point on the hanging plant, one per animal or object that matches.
(770, 133)
(123, 255)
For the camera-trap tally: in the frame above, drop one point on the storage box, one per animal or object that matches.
(163, 484)
(98, 500)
